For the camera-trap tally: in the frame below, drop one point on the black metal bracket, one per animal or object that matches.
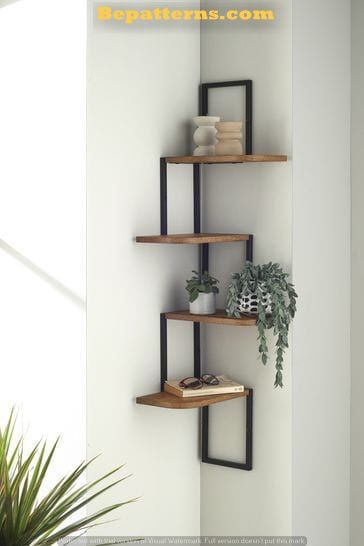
(203, 266)
(163, 196)
(248, 464)
(248, 84)
(249, 249)
(163, 350)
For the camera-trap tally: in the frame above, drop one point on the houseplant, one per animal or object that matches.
(202, 290)
(31, 517)
(265, 291)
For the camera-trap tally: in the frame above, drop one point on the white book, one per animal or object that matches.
(225, 386)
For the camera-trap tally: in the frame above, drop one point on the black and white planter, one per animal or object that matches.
(248, 303)
(205, 304)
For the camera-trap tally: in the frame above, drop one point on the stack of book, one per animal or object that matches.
(225, 386)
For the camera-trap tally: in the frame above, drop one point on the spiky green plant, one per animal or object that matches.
(29, 517)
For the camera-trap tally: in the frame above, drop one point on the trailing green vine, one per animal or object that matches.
(270, 285)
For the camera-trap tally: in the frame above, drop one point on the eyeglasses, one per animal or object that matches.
(195, 383)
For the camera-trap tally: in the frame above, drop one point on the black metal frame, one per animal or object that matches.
(248, 84)
(248, 464)
(203, 266)
(163, 196)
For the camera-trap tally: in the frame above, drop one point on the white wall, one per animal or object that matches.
(42, 221)
(142, 93)
(250, 199)
(321, 267)
(141, 88)
(357, 379)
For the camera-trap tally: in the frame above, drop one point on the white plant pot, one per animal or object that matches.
(229, 138)
(205, 135)
(205, 304)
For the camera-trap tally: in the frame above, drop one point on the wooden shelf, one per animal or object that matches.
(192, 238)
(220, 317)
(216, 159)
(166, 400)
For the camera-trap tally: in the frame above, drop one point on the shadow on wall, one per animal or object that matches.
(54, 283)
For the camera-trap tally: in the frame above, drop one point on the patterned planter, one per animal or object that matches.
(248, 303)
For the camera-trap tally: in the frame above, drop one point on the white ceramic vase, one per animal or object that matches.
(205, 135)
(205, 304)
(229, 138)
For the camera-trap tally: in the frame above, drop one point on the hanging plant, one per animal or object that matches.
(263, 290)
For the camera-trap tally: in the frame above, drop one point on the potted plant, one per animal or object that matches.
(202, 290)
(29, 516)
(264, 290)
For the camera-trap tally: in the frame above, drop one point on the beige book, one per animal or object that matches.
(226, 386)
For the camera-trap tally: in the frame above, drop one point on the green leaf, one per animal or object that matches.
(194, 295)
(201, 283)
(31, 518)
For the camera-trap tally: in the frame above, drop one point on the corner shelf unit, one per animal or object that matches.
(203, 240)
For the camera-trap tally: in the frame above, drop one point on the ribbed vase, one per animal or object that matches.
(229, 138)
(205, 135)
